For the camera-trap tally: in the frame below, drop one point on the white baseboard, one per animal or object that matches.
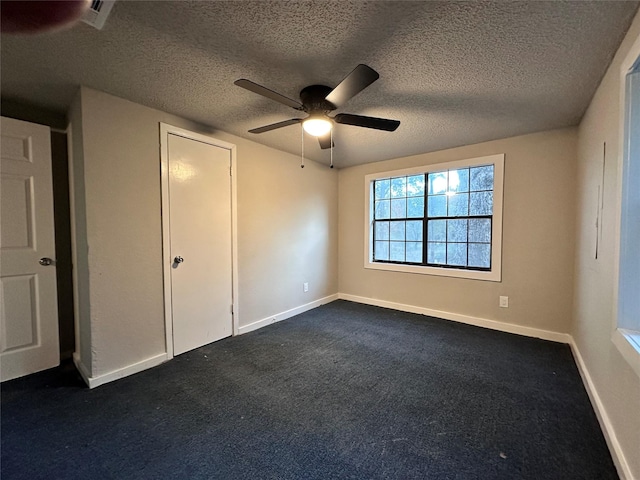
(457, 317)
(96, 381)
(624, 471)
(278, 317)
(84, 373)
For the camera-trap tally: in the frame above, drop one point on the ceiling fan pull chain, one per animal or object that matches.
(331, 148)
(302, 141)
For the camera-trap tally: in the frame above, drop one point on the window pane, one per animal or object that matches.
(396, 251)
(480, 255)
(397, 231)
(441, 215)
(414, 252)
(437, 206)
(382, 230)
(459, 180)
(382, 209)
(437, 183)
(437, 230)
(382, 189)
(482, 178)
(415, 207)
(381, 251)
(436, 253)
(457, 254)
(458, 205)
(414, 231)
(415, 186)
(398, 187)
(479, 230)
(481, 203)
(399, 208)
(456, 230)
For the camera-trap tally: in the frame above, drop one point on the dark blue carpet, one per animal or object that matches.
(343, 391)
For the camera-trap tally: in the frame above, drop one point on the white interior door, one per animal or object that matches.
(29, 310)
(200, 237)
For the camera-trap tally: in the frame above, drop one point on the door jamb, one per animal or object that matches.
(165, 130)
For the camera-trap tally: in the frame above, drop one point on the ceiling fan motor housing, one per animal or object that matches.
(313, 99)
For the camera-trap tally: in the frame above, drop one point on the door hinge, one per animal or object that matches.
(232, 308)
(230, 174)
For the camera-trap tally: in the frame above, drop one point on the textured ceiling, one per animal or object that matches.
(454, 73)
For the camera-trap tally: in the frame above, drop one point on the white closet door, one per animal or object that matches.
(200, 226)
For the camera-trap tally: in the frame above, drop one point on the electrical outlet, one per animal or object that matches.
(305, 287)
(504, 302)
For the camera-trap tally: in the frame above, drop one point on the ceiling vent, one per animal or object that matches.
(98, 13)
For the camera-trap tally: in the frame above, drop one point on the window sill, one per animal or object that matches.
(628, 344)
(493, 276)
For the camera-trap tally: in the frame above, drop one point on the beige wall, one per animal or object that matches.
(616, 383)
(287, 229)
(538, 218)
(79, 247)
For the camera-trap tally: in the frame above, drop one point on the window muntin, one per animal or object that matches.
(453, 213)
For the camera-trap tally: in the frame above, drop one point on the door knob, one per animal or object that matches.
(178, 259)
(45, 261)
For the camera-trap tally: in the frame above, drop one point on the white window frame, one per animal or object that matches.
(626, 340)
(493, 275)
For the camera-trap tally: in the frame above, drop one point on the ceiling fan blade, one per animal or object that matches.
(367, 122)
(325, 141)
(273, 126)
(265, 92)
(360, 78)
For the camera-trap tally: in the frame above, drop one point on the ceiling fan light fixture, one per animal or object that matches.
(317, 126)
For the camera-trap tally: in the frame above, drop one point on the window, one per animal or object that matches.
(441, 219)
(627, 332)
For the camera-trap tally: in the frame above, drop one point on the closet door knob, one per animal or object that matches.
(46, 261)
(178, 259)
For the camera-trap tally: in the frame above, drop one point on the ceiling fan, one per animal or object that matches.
(318, 100)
